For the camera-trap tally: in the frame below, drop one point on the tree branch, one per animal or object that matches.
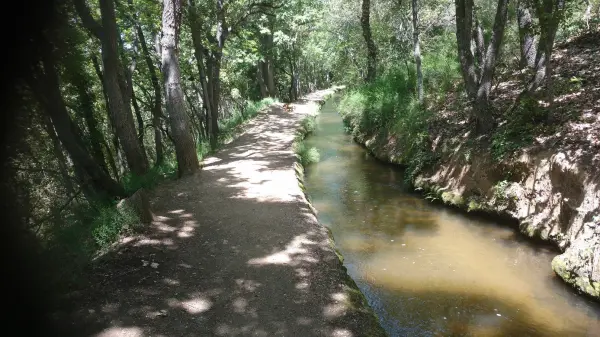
(87, 19)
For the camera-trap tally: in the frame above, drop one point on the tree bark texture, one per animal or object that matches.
(185, 148)
(526, 34)
(368, 36)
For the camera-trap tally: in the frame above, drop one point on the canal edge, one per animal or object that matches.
(358, 301)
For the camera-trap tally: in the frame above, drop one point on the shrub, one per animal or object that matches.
(155, 175)
(308, 125)
(307, 155)
(111, 222)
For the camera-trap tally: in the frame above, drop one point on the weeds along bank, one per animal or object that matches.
(538, 169)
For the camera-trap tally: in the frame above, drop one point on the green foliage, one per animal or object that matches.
(308, 125)
(388, 106)
(111, 222)
(307, 155)
(155, 175)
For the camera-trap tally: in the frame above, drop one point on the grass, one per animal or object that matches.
(111, 222)
(388, 107)
(307, 155)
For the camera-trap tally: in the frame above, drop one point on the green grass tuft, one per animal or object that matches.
(307, 155)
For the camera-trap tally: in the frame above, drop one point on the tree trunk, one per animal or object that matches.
(371, 49)
(185, 149)
(482, 113)
(119, 104)
(478, 82)
(157, 106)
(203, 72)
(87, 109)
(114, 81)
(261, 83)
(46, 88)
(526, 35)
(60, 156)
(417, 49)
(549, 12)
(464, 24)
(479, 47)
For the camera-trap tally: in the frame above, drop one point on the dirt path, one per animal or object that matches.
(234, 251)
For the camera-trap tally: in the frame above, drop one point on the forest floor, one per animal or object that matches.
(234, 250)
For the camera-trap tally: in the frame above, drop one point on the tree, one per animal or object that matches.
(157, 103)
(549, 13)
(116, 88)
(185, 149)
(417, 49)
(368, 36)
(478, 81)
(526, 34)
(45, 86)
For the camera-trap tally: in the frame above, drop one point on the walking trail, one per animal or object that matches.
(235, 250)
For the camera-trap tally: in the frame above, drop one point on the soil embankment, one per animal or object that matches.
(549, 183)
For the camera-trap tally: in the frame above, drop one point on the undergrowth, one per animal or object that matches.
(307, 155)
(388, 107)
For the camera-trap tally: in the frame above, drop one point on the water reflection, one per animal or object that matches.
(428, 271)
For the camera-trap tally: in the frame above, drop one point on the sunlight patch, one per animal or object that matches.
(193, 306)
(287, 256)
(341, 333)
(121, 332)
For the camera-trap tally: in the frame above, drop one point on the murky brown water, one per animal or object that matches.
(429, 271)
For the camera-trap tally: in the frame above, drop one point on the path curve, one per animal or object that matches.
(235, 250)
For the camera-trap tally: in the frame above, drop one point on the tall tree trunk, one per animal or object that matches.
(479, 46)
(46, 88)
(60, 156)
(119, 103)
(110, 156)
(185, 149)
(464, 24)
(371, 49)
(482, 113)
(549, 13)
(417, 49)
(114, 81)
(157, 106)
(479, 82)
(87, 109)
(526, 34)
(204, 72)
(267, 65)
(261, 82)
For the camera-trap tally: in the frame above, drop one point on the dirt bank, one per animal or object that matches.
(549, 181)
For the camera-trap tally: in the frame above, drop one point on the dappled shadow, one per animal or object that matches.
(234, 250)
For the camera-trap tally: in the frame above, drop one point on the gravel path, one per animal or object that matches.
(234, 250)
